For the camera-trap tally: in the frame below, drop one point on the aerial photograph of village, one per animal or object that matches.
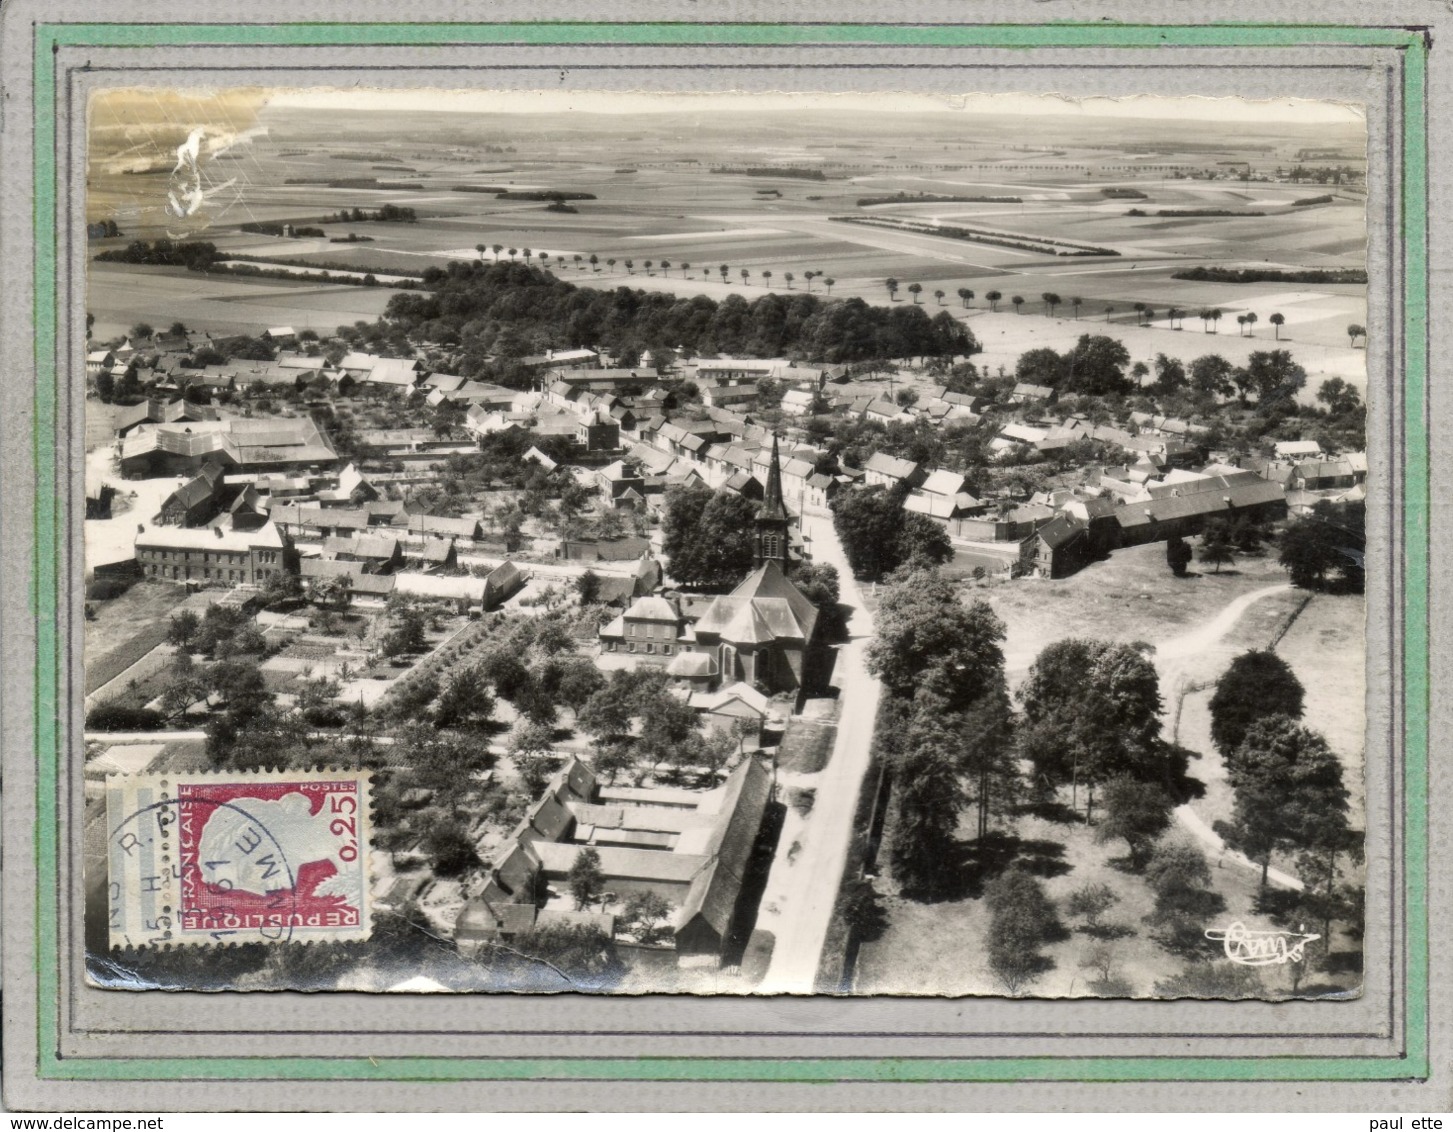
(754, 544)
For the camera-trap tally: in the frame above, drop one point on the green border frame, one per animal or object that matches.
(51, 508)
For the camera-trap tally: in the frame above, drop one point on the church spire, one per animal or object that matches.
(772, 506)
(772, 540)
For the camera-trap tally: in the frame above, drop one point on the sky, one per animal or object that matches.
(1154, 107)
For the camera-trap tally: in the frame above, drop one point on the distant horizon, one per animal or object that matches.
(1147, 108)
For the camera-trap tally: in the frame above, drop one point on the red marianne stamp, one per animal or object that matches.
(216, 858)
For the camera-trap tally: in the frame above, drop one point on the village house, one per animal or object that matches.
(598, 433)
(214, 555)
(196, 501)
(652, 628)
(375, 554)
(883, 470)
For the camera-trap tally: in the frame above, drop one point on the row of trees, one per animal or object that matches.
(945, 726)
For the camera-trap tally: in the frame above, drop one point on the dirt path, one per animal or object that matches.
(1172, 658)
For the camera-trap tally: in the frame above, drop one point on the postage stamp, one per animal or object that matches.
(215, 858)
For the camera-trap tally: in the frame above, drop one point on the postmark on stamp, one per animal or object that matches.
(216, 858)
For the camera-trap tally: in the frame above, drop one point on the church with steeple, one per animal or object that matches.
(765, 631)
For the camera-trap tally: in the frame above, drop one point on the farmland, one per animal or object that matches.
(668, 206)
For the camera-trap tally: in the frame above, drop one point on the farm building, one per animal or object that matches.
(691, 849)
(267, 444)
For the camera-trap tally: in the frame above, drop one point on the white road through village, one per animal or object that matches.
(802, 888)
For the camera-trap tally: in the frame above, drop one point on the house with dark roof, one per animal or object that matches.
(196, 501)
(1059, 548)
(1154, 519)
(375, 554)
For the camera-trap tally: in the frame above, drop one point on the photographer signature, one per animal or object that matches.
(1261, 948)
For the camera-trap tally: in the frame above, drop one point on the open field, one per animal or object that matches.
(676, 190)
(121, 295)
(1130, 596)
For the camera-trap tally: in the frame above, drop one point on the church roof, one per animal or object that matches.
(763, 608)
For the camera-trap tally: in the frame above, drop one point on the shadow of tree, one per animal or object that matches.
(1106, 931)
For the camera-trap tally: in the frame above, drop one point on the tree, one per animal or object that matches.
(1309, 549)
(965, 296)
(724, 269)
(939, 294)
(708, 536)
(789, 277)
(1289, 792)
(989, 759)
(915, 289)
(1178, 555)
(1277, 321)
(1250, 324)
(465, 701)
(1139, 309)
(1211, 376)
(183, 629)
(644, 912)
(928, 795)
(766, 278)
(1095, 366)
(1273, 376)
(929, 637)
(449, 848)
(892, 286)
(1354, 332)
(860, 910)
(585, 878)
(1136, 813)
(105, 387)
(1257, 684)
(1216, 546)
(1041, 366)
(1091, 901)
(1051, 300)
(530, 749)
(1340, 398)
(587, 585)
(992, 298)
(828, 283)
(1092, 713)
(1022, 920)
(1018, 301)
(1180, 879)
(1170, 374)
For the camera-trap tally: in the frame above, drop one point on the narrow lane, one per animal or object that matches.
(802, 887)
